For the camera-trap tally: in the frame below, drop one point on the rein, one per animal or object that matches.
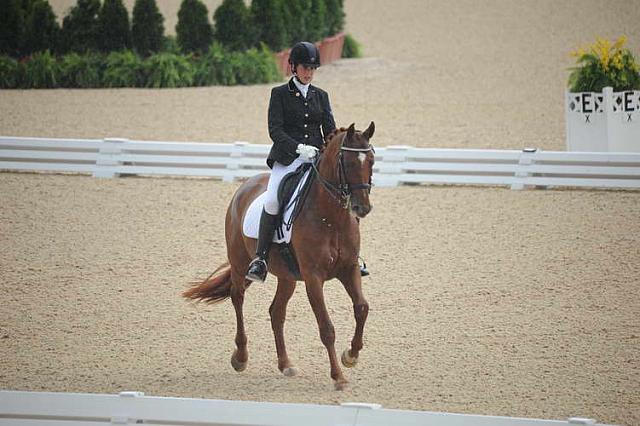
(342, 191)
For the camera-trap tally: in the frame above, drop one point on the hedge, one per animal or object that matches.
(126, 69)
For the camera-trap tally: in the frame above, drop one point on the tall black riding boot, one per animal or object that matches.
(258, 268)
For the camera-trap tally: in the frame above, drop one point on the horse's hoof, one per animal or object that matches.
(290, 371)
(347, 360)
(341, 385)
(238, 365)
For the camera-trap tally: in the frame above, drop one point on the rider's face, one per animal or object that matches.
(304, 73)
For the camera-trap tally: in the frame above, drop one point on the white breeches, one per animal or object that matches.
(278, 171)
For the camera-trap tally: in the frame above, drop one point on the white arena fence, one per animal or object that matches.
(395, 165)
(129, 408)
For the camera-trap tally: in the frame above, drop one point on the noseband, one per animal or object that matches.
(342, 191)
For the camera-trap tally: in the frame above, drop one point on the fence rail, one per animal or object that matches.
(395, 165)
(129, 408)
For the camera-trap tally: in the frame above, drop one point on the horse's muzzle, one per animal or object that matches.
(360, 210)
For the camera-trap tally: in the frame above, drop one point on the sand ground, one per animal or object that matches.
(483, 300)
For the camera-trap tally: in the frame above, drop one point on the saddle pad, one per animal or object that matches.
(251, 221)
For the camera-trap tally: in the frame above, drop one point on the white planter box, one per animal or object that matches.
(603, 122)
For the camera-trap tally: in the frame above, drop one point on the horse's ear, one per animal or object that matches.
(351, 130)
(369, 132)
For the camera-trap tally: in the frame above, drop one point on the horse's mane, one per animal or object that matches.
(333, 133)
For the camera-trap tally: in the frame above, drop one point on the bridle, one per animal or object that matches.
(342, 191)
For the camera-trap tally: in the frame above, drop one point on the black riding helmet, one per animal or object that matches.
(304, 53)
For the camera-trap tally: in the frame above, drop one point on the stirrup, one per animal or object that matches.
(257, 271)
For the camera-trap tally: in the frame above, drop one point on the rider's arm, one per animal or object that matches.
(328, 123)
(276, 124)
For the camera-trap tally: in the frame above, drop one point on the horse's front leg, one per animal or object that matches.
(240, 355)
(353, 285)
(278, 313)
(327, 331)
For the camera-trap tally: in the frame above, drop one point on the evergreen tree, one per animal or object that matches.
(295, 16)
(316, 22)
(11, 27)
(335, 16)
(268, 19)
(233, 25)
(113, 23)
(41, 28)
(193, 31)
(147, 29)
(80, 27)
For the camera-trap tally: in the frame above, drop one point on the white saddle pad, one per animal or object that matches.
(251, 222)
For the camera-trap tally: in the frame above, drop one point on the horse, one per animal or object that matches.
(326, 243)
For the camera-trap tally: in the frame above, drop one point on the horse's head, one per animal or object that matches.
(355, 159)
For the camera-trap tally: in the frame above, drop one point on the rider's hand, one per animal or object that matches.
(307, 152)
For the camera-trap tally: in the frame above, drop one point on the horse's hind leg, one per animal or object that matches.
(240, 355)
(278, 313)
(353, 284)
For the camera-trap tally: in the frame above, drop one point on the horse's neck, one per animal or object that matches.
(320, 200)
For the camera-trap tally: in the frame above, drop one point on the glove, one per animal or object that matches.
(307, 152)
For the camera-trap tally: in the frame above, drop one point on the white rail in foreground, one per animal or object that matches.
(68, 409)
(395, 165)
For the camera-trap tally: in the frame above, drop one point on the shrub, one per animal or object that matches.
(114, 31)
(255, 66)
(335, 16)
(268, 19)
(41, 29)
(604, 64)
(80, 27)
(11, 27)
(123, 69)
(168, 70)
(214, 68)
(41, 71)
(233, 25)
(147, 29)
(351, 48)
(81, 71)
(170, 45)
(194, 33)
(295, 19)
(9, 73)
(316, 23)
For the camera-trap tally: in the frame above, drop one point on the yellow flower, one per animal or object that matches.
(578, 53)
(620, 42)
(601, 49)
(617, 60)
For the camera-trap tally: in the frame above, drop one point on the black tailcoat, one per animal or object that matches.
(294, 120)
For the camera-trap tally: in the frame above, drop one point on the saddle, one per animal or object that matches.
(287, 199)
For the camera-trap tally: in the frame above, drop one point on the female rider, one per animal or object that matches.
(299, 119)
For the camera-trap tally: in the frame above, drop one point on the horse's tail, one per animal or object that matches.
(214, 289)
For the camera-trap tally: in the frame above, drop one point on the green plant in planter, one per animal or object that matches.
(9, 72)
(41, 71)
(123, 69)
(604, 64)
(168, 70)
(80, 71)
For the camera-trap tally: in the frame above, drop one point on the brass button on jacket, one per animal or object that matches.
(293, 119)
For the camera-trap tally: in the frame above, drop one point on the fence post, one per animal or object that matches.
(524, 162)
(237, 152)
(391, 166)
(108, 157)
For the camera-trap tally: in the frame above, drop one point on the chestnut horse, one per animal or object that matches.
(325, 240)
